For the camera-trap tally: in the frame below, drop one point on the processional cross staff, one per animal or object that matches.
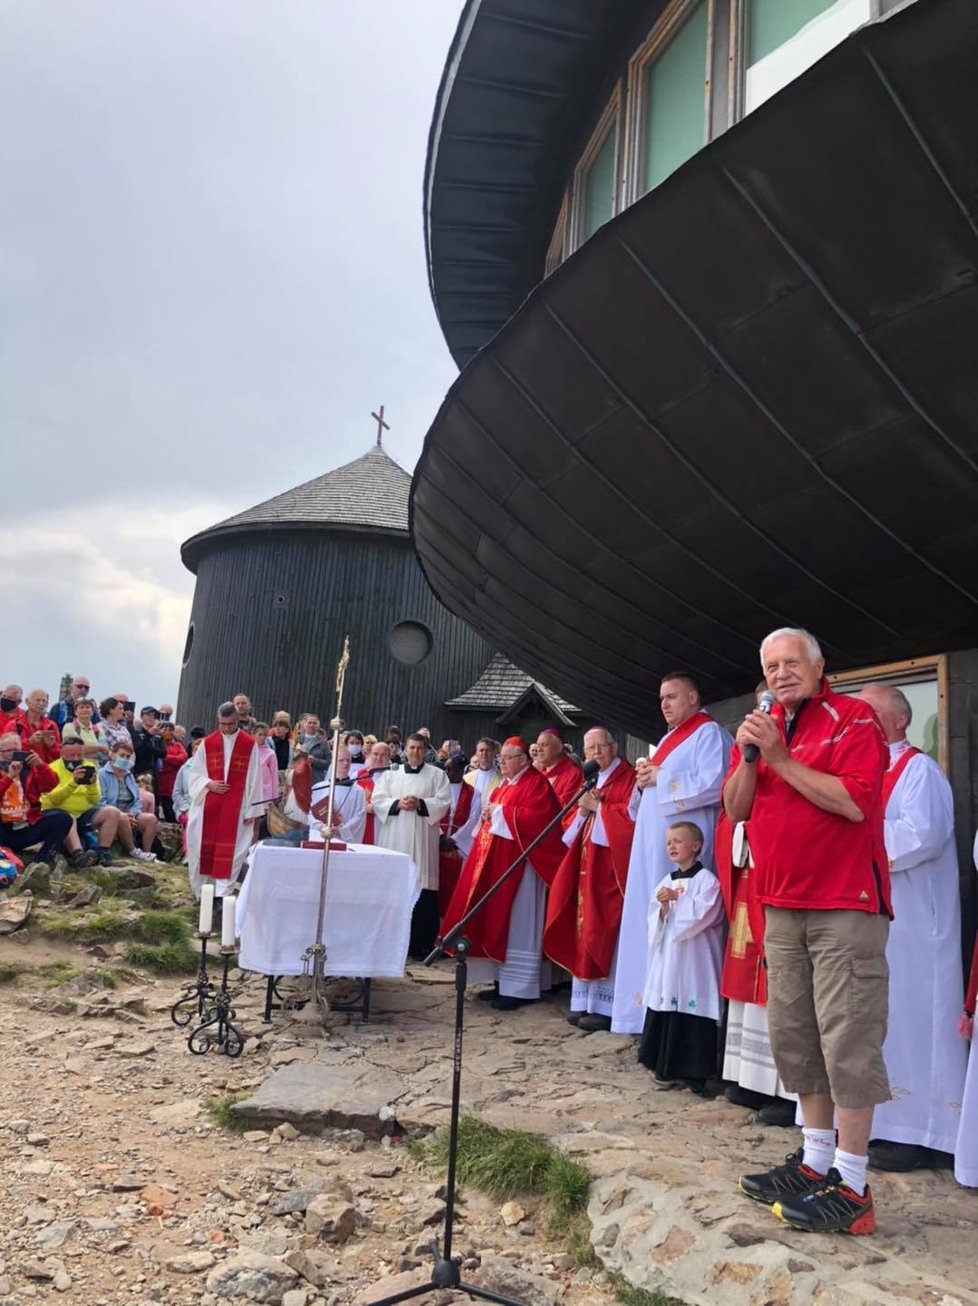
(318, 1004)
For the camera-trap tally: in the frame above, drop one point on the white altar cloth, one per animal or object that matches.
(370, 894)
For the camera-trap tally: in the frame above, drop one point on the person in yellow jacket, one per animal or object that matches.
(77, 793)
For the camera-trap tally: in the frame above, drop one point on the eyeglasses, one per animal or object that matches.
(85, 688)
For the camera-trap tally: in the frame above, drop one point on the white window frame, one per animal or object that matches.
(610, 121)
(913, 669)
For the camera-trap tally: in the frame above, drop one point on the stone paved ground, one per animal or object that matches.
(115, 1186)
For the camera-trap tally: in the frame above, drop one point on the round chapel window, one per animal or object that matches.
(409, 642)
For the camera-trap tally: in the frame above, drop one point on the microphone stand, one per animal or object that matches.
(446, 1271)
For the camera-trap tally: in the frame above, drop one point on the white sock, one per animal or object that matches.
(853, 1170)
(819, 1149)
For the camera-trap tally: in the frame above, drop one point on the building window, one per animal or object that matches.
(188, 647)
(555, 251)
(924, 681)
(596, 177)
(409, 642)
(784, 37)
(673, 98)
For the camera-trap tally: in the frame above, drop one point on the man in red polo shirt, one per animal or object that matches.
(809, 778)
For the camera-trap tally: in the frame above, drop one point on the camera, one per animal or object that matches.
(21, 755)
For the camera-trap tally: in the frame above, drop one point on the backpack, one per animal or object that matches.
(10, 867)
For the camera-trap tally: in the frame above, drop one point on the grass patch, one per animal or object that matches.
(577, 1236)
(504, 1162)
(54, 973)
(162, 943)
(629, 1295)
(9, 971)
(219, 1110)
(99, 926)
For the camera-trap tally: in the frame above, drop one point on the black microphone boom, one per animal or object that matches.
(767, 701)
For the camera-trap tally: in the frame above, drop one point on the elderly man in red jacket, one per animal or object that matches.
(809, 778)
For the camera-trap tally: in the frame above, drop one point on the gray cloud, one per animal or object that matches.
(211, 269)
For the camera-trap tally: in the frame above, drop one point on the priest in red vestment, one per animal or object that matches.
(562, 771)
(225, 789)
(506, 935)
(584, 912)
(378, 760)
(457, 831)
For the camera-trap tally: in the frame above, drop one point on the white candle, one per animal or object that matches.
(228, 921)
(206, 909)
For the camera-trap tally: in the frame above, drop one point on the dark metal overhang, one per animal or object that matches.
(520, 80)
(749, 401)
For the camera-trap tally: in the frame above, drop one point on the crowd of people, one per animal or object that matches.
(776, 912)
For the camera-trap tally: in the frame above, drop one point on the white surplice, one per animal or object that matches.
(686, 948)
(349, 806)
(525, 973)
(687, 789)
(197, 781)
(410, 832)
(924, 1055)
(747, 1056)
(966, 1150)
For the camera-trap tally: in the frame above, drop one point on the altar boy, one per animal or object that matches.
(682, 991)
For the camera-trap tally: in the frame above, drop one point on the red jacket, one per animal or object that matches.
(808, 858)
(46, 752)
(36, 780)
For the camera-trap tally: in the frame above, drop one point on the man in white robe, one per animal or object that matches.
(485, 774)
(925, 1058)
(408, 805)
(224, 786)
(349, 803)
(684, 783)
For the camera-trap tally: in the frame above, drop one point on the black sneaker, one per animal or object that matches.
(81, 861)
(793, 1179)
(829, 1207)
(488, 995)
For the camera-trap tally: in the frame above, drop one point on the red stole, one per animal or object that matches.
(530, 805)
(222, 812)
(449, 858)
(366, 783)
(586, 898)
(679, 736)
(566, 778)
(744, 976)
(895, 772)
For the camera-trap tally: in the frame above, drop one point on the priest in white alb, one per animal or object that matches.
(925, 1059)
(349, 813)
(408, 805)
(680, 781)
(225, 788)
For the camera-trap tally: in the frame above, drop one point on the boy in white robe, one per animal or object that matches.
(682, 991)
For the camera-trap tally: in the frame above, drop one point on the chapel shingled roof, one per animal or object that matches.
(501, 685)
(371, 494)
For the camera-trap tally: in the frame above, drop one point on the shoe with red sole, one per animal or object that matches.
(793, 1179)
(830, 1207)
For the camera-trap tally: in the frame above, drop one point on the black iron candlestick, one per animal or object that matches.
(218, 1031)
(198, 997)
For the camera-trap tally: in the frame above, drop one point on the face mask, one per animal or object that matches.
(7, 704)
(122, 763)
(355, 749)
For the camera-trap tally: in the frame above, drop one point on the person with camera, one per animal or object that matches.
(149, 747)
(36, 729)
(77, 793)
(24, 824)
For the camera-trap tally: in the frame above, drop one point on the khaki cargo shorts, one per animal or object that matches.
(828, 1000)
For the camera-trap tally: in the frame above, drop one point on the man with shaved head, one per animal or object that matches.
(584, 912)
(925, 1058)
(562, 771)
(10, 697)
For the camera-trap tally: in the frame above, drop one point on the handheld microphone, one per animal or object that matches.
(591, 771)
(768, 700)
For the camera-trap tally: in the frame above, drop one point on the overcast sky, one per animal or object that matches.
(211, 271)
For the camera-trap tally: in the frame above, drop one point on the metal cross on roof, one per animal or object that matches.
(382, 426)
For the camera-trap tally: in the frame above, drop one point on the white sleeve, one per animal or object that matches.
(497, 821)
(696, 773)
(925, 819)
(699, 907)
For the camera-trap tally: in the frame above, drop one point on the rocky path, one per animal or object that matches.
(117, 1186)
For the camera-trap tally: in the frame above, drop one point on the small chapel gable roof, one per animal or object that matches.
(371, 493)
(502, 686)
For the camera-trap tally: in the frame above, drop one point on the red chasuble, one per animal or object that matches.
(586, 897)
(529, 805)
(566, 778)
(222, 812)
(744, 976)
(366, 783)
(449, 858)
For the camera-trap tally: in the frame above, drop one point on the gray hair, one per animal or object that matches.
(226, 710)
(898, 699)
(806, 637)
